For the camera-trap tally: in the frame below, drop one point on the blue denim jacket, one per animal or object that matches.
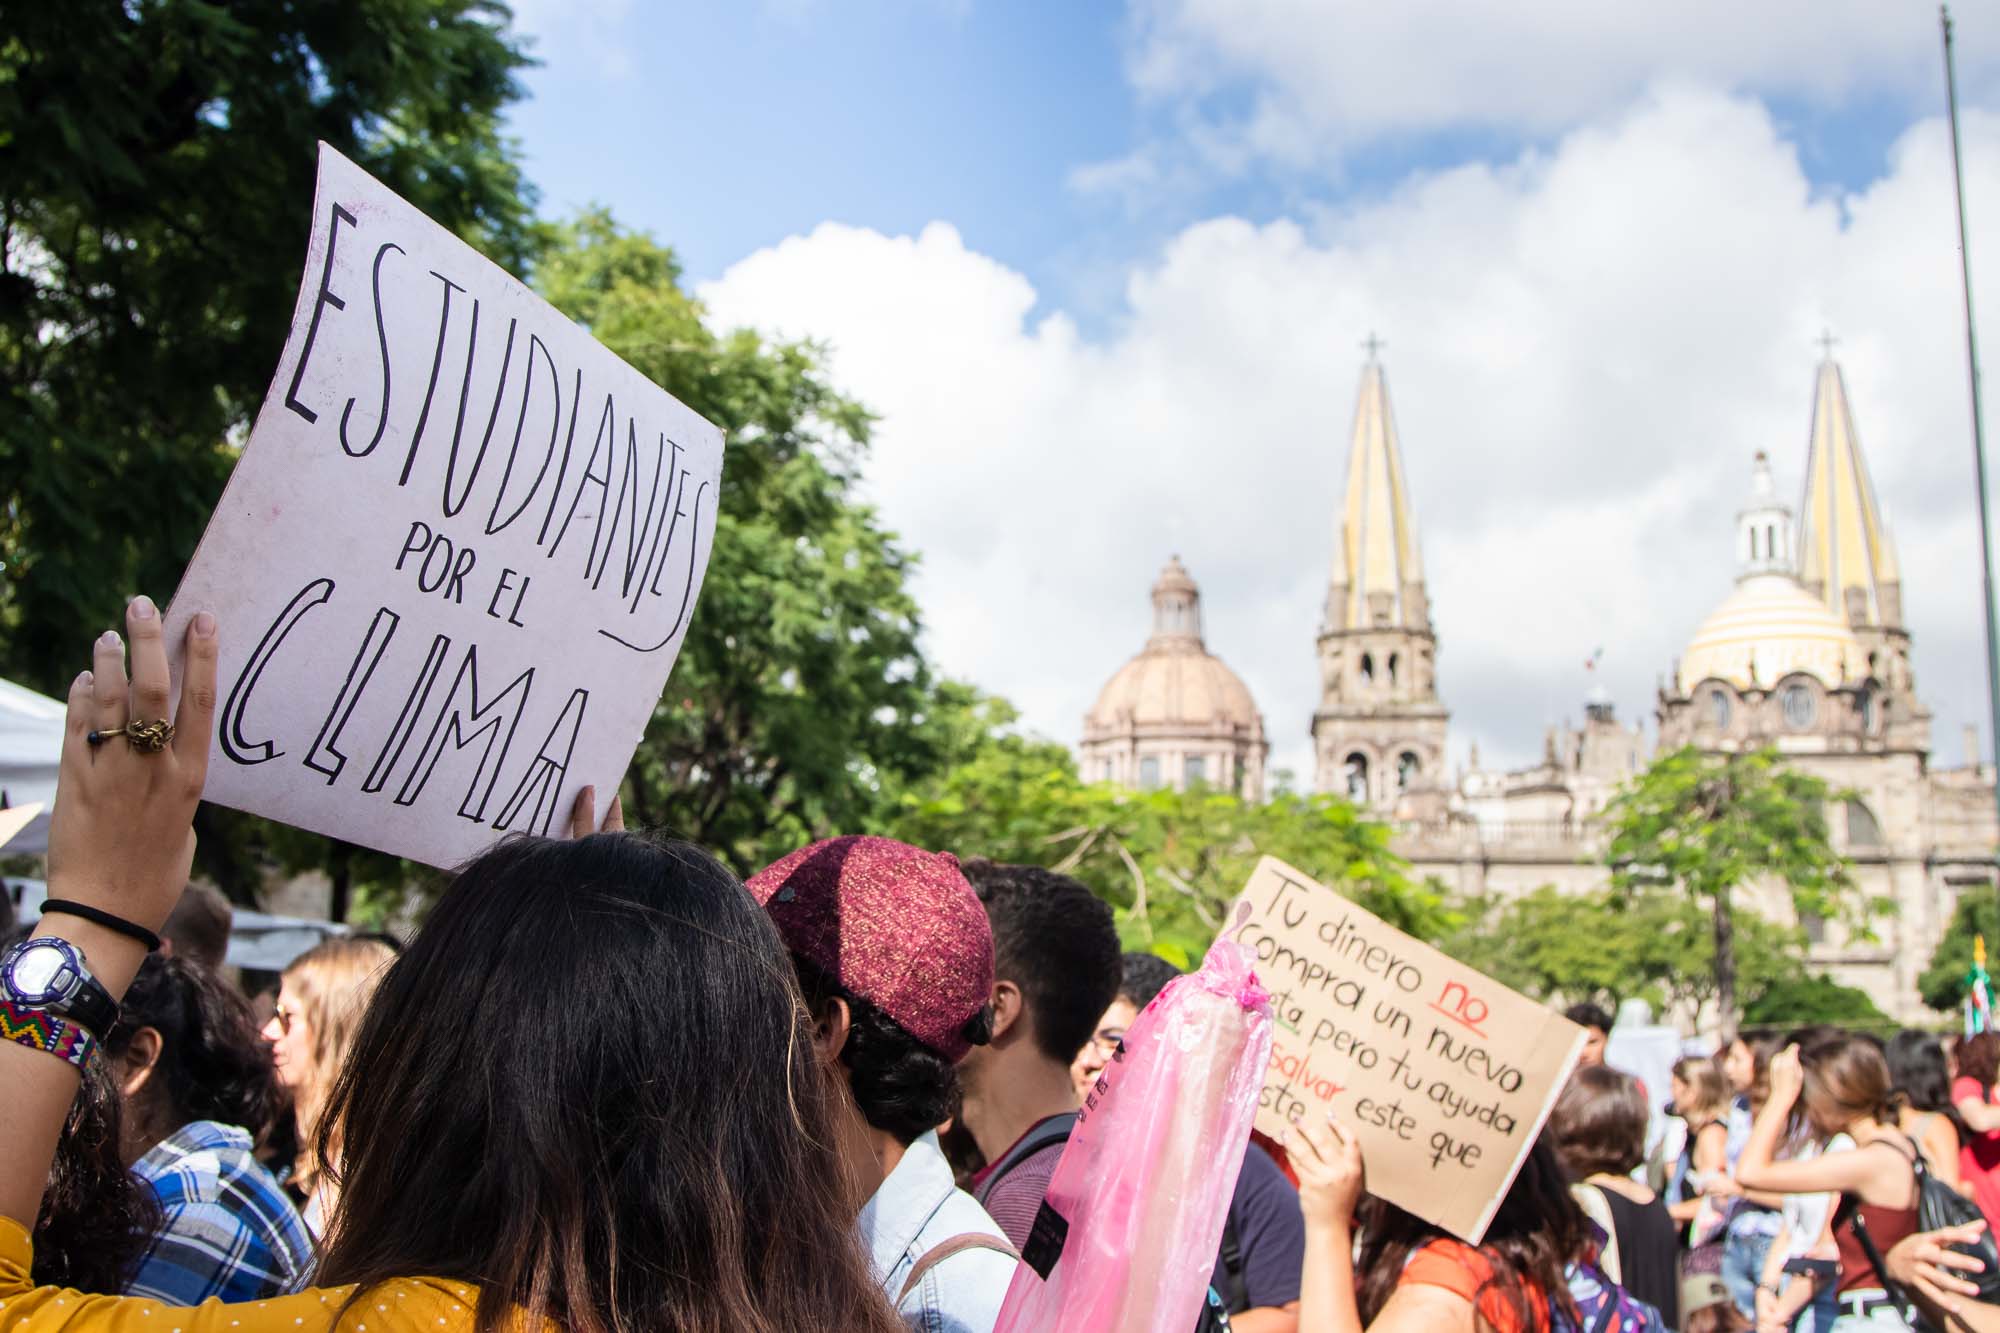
(917, 1209)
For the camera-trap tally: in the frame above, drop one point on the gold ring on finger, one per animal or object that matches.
(144, 737)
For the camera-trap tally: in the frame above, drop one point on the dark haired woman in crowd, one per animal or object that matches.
(1415, 1277)
(549, 1113)
(198, 1089)
(1920, 1095)
(1979, 1111)
(1599, 1131)
(1843, 1082)
(1750, 1219)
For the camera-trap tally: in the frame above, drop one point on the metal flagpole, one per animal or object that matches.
(1978, 426)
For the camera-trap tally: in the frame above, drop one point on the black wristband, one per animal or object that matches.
(98, 916)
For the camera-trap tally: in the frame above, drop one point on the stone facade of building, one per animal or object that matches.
(1807, 653)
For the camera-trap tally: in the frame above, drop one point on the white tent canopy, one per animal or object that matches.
(31, 733)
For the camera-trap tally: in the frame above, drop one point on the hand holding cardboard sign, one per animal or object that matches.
(1332, 1177)
(1444, 1075)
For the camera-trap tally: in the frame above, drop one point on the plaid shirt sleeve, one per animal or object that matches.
(236, 1238)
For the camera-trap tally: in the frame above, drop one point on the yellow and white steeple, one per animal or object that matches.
(1846, 556)
(1378, 569)
(1379, 731)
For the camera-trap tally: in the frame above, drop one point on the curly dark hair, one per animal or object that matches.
(97, 1218)
(1145, 975)
(1056, 941)
(902, 1086)
(212, 1063)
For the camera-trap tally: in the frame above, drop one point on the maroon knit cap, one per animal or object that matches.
(897, 926)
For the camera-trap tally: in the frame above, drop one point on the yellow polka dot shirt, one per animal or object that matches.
(406, 1305)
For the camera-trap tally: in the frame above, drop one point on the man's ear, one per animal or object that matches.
(1008, 1012)
(138, 1062)
(830, 1030)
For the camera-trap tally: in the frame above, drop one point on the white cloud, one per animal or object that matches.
(1303, 78)
(1585, 346)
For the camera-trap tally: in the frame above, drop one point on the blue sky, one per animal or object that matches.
(723, 128)
(1118, 245)
(737, 125)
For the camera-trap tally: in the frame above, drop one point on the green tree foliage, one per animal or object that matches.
(1709, 825)
(802, 704)
(1943, 983)
(158, 159)
(1607, 947)
(1796, 1001)
(1169, 862)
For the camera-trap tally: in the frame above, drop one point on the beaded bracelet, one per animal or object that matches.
(28, 1025)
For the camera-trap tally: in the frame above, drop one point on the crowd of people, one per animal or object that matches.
(609, 1087)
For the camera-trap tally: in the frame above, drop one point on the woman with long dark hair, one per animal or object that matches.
(1415, 1277)
(586, 1096)
(1920, 1096)
(198, 1092)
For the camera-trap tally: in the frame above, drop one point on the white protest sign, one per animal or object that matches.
(1445, 1075)
(458, 556)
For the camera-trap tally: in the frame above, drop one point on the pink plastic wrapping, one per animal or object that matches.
(1127, 1238)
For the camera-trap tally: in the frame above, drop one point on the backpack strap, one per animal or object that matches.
(945, 1249)
(1235, 1296)
(1055, 1129)
(1849, 1215)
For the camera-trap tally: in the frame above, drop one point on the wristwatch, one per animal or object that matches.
(49, 974)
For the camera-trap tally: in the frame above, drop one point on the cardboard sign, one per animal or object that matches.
(1445, 1075)
(458, 556)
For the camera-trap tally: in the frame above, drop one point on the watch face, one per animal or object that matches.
(41, 972)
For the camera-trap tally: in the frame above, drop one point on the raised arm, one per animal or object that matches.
(1330, 1172)
(121, 842)
(1757, 1168)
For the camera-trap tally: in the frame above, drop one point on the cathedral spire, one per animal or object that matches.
(1378, 573)
(1845, 554)
(1379, 731)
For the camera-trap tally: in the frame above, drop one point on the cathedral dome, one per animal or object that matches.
(1174, 686)
(1768, 628)
(1175, 681)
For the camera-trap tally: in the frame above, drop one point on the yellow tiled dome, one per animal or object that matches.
(1769, 628)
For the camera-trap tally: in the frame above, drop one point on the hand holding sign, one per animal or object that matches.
(1443, 1076)
(1332, 1176)
(458, 556)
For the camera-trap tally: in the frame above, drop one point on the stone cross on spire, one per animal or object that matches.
(1372, 345)
(1826, 341)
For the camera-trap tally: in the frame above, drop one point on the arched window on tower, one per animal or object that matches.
(1753, 544)
(1149, 773)
(1406, 770)
(1771, 541)
(1367, 668)
(1395, 669)
(1357, 777)
(1862, 828)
